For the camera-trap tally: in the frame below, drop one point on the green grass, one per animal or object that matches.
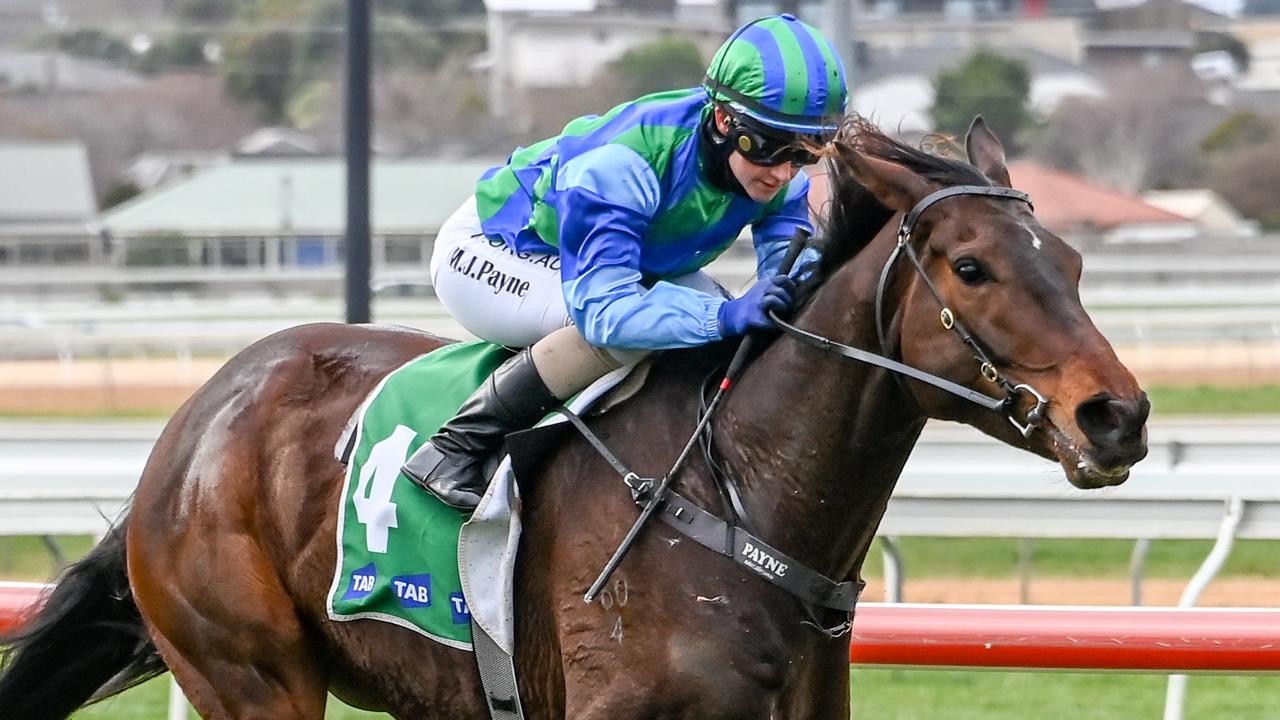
(998, 557)
(1208, 400)
(151, 702)
(978, 695)
(25, 557)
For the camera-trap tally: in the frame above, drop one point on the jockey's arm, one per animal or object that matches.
(602, 287)
(606, 201)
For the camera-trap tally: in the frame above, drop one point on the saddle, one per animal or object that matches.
(406, 558)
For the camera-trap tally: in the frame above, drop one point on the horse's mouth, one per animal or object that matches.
(1082, 470)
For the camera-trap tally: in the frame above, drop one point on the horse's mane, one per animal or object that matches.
(855, 216)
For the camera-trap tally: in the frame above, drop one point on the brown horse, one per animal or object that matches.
(220, 572)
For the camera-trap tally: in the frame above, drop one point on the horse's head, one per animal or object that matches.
(1014, 287)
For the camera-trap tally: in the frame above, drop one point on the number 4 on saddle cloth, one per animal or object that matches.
(403, 556)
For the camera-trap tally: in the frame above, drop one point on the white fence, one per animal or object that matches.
(176, 327)
(66, 478)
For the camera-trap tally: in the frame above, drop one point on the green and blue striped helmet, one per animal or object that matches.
(782, 73)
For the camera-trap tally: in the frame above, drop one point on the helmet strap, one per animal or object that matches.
(714, 150)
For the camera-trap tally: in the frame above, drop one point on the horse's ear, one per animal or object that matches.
(986, 153)
(895, 186)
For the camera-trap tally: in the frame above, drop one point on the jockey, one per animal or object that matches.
(585, 249)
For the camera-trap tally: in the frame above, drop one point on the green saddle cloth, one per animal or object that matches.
(398, 544)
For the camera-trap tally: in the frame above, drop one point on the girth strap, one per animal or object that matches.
(729, 540)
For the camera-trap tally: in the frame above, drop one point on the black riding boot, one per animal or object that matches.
(450, 465)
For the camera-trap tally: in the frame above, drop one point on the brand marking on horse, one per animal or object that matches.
(617, 630)
(619, 593)
(761, 561)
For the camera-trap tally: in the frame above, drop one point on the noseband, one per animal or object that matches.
(1006, 405)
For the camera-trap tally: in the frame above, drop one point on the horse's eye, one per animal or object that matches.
(970, 271)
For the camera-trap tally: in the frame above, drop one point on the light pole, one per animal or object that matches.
(357, 235)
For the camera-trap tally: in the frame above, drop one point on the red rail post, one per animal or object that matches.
(1227, 640)
(1164, 640)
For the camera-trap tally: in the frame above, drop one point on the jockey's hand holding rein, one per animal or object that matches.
(751, 311)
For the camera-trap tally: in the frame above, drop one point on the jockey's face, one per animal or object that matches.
(761, 182)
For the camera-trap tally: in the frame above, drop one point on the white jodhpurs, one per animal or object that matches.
(505, 297)
(496, 294)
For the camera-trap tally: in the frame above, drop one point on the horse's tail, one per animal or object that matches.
(85, 643)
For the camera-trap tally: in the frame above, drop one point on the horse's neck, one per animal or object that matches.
(817, 441)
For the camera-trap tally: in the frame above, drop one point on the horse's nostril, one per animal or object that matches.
(1109, 421)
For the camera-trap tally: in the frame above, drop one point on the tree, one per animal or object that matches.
(425, 11)
(1243, 154)
(665, 64)
(1241, 129)
(300, 44)
(986, 84)
(265, 68)
(1145, 133)
(1249, 178)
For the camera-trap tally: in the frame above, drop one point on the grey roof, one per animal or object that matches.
(277, 141)
(58, 71)
(299, 196)
(929, 61)
(45, 185)
(1141, 39)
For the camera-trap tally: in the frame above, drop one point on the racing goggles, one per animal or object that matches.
(768, 149)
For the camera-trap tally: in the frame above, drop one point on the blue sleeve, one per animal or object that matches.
(605, 199)
(772, 233)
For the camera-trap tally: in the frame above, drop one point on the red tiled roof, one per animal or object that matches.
(1064, 201)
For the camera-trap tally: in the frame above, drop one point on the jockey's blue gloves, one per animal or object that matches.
(751, 311)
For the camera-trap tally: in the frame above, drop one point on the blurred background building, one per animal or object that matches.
(152, 150)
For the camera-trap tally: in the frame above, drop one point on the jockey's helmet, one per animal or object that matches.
(779, 77)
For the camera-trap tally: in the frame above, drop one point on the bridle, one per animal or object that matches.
(1006, 405)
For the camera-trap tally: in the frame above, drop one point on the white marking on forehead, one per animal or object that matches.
(1035, 240)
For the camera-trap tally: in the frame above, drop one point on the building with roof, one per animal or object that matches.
(277, 142)
(1150, 33)
(1073, 207)
(59, 72)
(48, 213)
(1261, 35)
(1212, 214)
(896, 86)
(288, 213)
